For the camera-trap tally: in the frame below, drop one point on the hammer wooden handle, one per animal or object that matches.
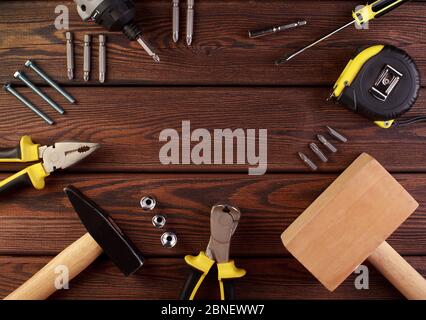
(399, 272)
(77, 257)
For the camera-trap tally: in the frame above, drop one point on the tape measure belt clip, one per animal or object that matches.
(381, 83)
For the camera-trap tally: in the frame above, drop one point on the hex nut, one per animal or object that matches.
(168, 239)
(159, 221)
(148, 203)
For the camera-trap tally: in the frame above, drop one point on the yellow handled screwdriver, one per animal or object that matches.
(361, 17)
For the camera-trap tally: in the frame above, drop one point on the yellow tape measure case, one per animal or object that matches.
(381, 83)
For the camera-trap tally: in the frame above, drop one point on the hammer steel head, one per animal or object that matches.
(106, 233)
(349, 221)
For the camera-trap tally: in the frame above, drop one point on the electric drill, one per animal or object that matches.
(114, 15)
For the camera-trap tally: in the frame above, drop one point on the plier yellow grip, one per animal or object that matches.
(223, 223)
(34, 175)
(59, 156)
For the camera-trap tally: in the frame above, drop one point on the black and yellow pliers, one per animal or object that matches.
(61, 155)
(223, 223)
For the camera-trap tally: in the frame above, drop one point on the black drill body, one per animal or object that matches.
(118, 15)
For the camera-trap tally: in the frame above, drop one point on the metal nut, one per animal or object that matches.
(148, 203)
(168, 239)
(159, 221)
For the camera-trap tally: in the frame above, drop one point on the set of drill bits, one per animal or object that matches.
(189, 21)
(168, 239)
(23, 78)
(317, 150)
(87, 56)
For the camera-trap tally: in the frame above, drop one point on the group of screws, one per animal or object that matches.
(87, 56)
(22, 77)
(168, 239)
(317, 150)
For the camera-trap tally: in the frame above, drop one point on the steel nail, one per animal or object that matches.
(19, 75)
(30, 64)
(28, 104)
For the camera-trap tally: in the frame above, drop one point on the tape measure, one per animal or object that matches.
(381, 83)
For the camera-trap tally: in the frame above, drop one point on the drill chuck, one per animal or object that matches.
(114, 15)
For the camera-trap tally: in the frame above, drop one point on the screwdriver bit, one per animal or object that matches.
(102, 58)
(190, 22)
(87, 57)
(315, 149)
(337, 135)
(175, 20)
(148, 50)
(308, 161)
(326, 143)
(70, 55)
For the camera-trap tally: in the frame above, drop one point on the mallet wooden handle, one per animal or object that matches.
(399, 272)
(77, 257)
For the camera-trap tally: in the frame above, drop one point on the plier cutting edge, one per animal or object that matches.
(223, 223)
(61, 155)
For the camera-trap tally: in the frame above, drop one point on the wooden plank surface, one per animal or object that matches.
(225, 80)
(222, 53)
(43, 222)
(128, 124)
(163, 278)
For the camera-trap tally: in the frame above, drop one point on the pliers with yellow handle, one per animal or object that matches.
(223, 223)
(61, 155)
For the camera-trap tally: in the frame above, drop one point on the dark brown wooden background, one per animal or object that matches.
(225, 80)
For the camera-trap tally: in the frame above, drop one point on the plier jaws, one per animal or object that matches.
(224, 220)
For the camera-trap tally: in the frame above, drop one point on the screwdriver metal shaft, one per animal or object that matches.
(288, 58)
(270, 30)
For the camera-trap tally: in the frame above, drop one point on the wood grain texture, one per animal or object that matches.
(225, 80)
(222, 53)
(348, 221)
(163, 278)
(35, 223)
(127, 122)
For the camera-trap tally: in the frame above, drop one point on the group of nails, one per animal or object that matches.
(87, 56)
(168, 239)
(317, 150)
(22, 77)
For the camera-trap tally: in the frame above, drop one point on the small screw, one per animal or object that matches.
(148, 203)
(28, 104)
(168, 239)
(159, 221)
(30, 64)
(19, 75)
